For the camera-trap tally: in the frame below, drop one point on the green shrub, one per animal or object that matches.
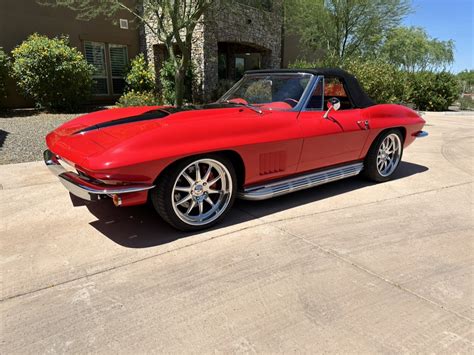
(141, 77)
(303, 64)
(466, 79)
(167, 75)
(55, 75)
(4, 69)
(466, 103)
(134, 98)
(384, 83)
(433, 91)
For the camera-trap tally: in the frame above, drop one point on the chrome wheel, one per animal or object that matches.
(388, 155)
(202, 192)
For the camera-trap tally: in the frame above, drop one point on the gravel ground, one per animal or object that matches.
(23, 132)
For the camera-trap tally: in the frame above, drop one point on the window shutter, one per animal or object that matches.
(95, 55)
(119, 66)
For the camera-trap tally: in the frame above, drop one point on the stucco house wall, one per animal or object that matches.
(21, 18)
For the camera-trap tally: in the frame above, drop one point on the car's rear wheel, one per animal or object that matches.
(384, 156)
(196, 193)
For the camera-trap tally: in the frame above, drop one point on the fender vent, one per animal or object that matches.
(272, 162)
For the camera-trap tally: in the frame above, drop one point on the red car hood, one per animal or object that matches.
(92, 134)
(71, 141)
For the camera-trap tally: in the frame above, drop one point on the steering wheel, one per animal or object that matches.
(291, 102)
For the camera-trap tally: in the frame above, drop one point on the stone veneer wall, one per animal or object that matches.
(231, 22)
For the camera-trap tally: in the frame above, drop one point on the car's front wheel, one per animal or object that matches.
(384, 156)
(196, 192)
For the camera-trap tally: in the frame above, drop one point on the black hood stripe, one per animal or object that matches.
(154, 114)
(149, 115)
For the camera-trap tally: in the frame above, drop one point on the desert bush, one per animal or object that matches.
(384, 83)
(55, 75)
(167, 77)
(138, 98)
(4, 69)
(466, 79)
(303, 64)
(433, 91)
(140, 77)
(466, 103)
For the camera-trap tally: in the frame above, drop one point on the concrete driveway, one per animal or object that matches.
(347, 267)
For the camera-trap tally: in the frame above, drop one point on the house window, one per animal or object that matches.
(95, 55)
(111, 64)
(118, 65)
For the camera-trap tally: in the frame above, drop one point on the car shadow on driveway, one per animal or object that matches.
(141, 227)
(3, 137)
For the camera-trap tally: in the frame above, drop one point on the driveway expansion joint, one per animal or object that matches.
(268, 223)
(375, 274)
(132, 262)
(361, 267)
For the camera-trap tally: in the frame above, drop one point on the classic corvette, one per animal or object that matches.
(273, 132)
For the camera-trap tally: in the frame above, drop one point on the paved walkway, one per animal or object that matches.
(346, 267)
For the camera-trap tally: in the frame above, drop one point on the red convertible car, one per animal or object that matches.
(274, 132)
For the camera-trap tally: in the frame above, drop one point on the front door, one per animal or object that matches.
(333, 140)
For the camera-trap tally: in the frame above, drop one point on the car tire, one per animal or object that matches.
(384, 156)
(195, 193)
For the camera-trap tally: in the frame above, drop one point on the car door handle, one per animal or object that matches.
(363, 124)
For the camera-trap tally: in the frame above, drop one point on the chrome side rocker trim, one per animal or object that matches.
(306, 181)
(82, 188)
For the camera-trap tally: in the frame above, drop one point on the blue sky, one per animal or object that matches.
(448, 19)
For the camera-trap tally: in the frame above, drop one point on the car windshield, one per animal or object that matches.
(269, 91)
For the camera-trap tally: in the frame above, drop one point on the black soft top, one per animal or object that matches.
(356, 94)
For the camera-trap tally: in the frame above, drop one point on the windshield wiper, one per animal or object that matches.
(253, 108)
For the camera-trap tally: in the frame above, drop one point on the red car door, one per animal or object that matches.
(276, 146)
(333, 140)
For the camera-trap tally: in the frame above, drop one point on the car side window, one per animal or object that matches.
(334, 87)
(316, 100)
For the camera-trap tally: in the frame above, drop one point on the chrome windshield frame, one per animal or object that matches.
(309, 92)
(313, 81)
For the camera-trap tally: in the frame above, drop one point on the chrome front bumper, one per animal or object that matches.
(82, 187)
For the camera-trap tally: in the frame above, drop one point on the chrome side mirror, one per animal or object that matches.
(333, 104)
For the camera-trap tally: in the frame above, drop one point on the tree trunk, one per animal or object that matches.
(179, 86)
(181, 71)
